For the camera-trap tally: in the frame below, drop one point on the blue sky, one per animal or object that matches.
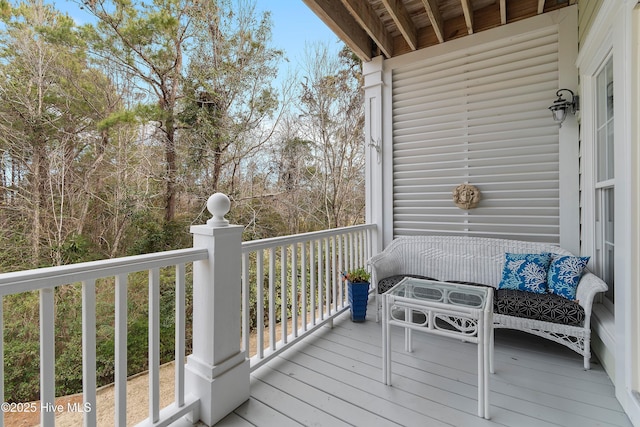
(294, 24)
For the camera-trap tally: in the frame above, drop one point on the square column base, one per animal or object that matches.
(219, 395)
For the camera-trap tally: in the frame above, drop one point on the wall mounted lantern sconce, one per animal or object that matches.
(561, 106)
(375, 144)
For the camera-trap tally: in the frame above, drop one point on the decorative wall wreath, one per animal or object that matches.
(466, 196)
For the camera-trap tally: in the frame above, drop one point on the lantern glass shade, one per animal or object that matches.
(559, 114)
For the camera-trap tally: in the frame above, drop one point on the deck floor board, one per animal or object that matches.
(334, 378)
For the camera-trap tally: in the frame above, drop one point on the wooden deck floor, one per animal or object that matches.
(334, 379)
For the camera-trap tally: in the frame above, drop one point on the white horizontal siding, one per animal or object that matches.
(479, 116)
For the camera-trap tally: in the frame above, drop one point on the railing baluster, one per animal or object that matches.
(47, 357)
(272, 298)
(180, 334)
(260, 302)
(340, 270)
(320, 275)
(357, 248)
(312, 285)
(89, 351)
(303, 265)
(361, 248)
(283, 293)
(352, 253)
(294, 290)
(358, 252)
(328, 276)
(120, 415)
(348, 265)
(154, 344)
(246, 289)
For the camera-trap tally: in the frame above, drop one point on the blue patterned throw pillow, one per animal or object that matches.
(525, 272)
(564, 275)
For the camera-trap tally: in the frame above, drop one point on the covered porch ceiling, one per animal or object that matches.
(395, 27)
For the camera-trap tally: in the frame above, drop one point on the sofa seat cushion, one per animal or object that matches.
(544, 307)
(389, 282)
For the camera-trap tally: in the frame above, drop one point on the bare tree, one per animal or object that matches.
(332, 107)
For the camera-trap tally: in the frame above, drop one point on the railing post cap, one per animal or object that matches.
(218, 205)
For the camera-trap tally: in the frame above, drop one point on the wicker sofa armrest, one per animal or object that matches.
(385, 264)
(588, 287)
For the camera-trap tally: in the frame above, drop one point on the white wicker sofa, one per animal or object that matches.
(480, 261)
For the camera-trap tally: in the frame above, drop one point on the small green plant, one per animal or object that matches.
(359, 275)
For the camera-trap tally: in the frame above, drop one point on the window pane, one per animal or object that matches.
(608, 237)
(610, 170)
(604, 207)
(608, 216)
(601, 90)
(604, 123)
(609, 88)
(601, 145)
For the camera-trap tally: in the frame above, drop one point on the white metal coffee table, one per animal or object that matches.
(446, 309)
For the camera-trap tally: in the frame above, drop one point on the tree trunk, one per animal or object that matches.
(39, 176)
(170, 157)
(88, 184)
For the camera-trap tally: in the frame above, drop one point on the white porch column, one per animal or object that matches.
(373, 119)
(217, 371)
(568, 136)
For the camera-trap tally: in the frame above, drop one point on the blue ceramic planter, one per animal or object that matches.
(358, 298)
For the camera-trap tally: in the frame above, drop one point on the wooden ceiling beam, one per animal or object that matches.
(540, 7)
(503, 12)
(340, 21)
(435, 17)
(468, 14)
(403, 21)
(364, 14)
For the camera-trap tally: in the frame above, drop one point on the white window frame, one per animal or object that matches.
(635, 220)
(603, 322)
(600, 258)
(615, 31)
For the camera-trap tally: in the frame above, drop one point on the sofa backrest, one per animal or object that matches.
(470, 259)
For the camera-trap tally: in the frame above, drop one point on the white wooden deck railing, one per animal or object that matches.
(298, 275)
(45, 280)
(293, 285)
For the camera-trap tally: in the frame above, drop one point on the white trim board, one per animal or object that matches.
(615, 32)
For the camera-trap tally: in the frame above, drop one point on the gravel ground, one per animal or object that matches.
(137, 391)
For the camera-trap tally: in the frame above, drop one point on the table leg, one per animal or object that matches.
(388, 351)
(489, 324)
(488, 358)
(492, 369)
(481, 366)
(384, 339)
(386, 343)
(408, 344)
